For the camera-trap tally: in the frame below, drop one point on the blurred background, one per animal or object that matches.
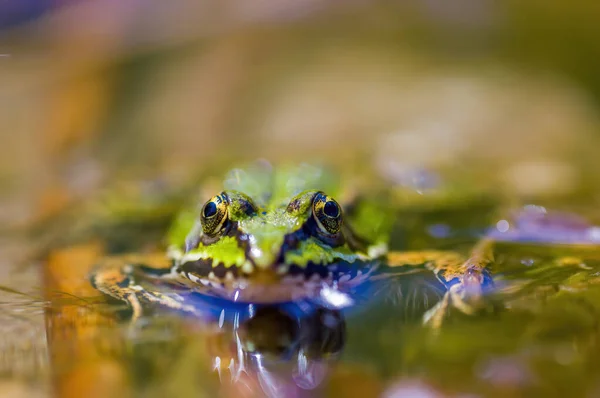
(503, 94)
(96, 90)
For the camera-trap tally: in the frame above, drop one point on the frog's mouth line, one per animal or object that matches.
(203, 268)
(206, 267)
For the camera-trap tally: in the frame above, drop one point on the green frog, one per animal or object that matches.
(280, 235)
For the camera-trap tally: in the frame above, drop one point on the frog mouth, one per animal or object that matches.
(334, 271)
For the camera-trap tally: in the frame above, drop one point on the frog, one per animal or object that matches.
(281, 235)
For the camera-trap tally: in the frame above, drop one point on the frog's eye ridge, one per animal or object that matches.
(327, 213)
(214, 214)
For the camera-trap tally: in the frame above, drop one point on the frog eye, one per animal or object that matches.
(327, 213)
(214, 214)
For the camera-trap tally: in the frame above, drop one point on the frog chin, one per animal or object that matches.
(312, 282)
(288, 289)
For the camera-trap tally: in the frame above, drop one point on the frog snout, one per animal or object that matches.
(265, 251)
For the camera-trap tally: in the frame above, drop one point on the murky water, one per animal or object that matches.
(538, 335)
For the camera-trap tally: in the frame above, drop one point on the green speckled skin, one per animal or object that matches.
(274, 235)
(270, 235)
(283, 199)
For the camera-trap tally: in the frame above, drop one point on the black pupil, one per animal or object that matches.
(331, 209)
(210, 209)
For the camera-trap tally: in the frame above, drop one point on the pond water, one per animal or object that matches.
(537, 334)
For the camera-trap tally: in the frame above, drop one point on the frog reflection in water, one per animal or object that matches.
(279, 343)
(275, 237)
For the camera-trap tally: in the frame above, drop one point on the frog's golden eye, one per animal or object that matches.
(327, 213)
(214, 214)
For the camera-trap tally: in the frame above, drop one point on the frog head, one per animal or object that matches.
(240, 238)
(309, 233)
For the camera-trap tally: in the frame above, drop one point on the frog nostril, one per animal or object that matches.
(290, 242)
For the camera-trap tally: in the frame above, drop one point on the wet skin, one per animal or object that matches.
(278, 236)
